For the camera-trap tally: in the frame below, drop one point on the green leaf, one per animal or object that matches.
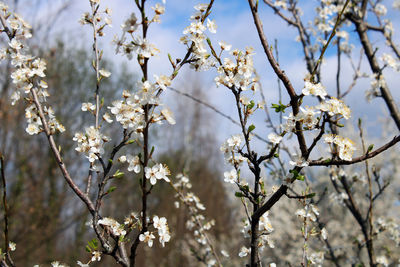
(327, 160)
(111, 189)
(118, 174)
(370, 147)
(93, 243)
(239, 194)
(251, 128)
(88, 249)
(279, 107)
(297, 175)
(251, 105)
(310, 195)
(276, 155)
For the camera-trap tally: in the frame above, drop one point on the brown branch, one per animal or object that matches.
(368, 155)
(57, 155)
(280, 14)
(280, 73)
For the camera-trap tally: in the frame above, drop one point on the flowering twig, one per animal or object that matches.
(368, 155)
(194, 215)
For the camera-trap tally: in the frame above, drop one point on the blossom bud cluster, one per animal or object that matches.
(309, 212)
(157, 172)
(391, 62)
(133, 161)
(129, 111)
(239, 72)
(344, 145)
(194, 36)
(197, 223)
(391, 227)
(230, 148)
(138, 44)
(265, 229)
(91, 143)
(28, 74)
(324, 23)
(376, 83)
(332, 106)
(116, 228)
(99, 20)
(161, 225)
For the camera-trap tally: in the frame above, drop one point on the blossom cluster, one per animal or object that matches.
(265, 229)
(157, 172)
(196, 223)
(344, 145)
(139, 45)
(194, 37)
(91, 143)
(27, 75)
(230, 148)
(129, 111)
(163, 232)
(309, 214)
(99, 20)
(239, 72)
(116, 228)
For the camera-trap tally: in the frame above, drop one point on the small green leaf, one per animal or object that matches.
(111, 189)
(251, 128)
(88, 249)
(276, 155)
(209, 41)
(327, 160)
(279, 107)
(239, 194)
(310, 195)
(95, 243)
(251, 105)
(297, 175)
(370, 147)
(118, 174)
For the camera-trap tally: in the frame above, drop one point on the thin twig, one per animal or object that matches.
(197, 100)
